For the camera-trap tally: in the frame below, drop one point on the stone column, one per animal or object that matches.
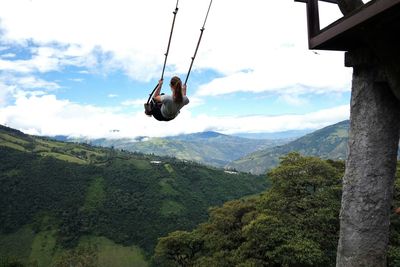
(370, 167)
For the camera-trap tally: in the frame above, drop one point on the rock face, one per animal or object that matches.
(371, 165)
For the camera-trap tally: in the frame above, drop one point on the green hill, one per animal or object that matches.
(208, 148)
(327, 143)
(57, 196)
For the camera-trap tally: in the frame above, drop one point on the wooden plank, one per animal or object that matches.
(312, 18)
(327, 36)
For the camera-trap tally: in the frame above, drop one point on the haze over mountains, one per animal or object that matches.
(233, 152)
(255, 156)
(210, 148)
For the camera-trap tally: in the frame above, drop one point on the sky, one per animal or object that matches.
(85, 68)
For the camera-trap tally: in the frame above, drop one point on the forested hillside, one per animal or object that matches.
(60, 194)
(294, 223)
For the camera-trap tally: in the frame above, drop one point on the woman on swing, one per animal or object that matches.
(167, 107)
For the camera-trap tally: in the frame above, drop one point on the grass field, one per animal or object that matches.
(141, 164)
(64, 157)
(166, 187)
(41, 250)
(48, 143)
(95, 195)
(12, 145)
(169, 168)
(111, 254)
(13, 139)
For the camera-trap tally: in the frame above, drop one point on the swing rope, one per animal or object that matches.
(169, 44)
(170, 37)
(198, 43)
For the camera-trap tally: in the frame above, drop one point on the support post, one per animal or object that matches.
(370, 168)
(312, 18)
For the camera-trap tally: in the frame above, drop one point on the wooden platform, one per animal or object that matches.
(376, 19)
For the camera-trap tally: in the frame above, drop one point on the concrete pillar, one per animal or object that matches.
(370, 167)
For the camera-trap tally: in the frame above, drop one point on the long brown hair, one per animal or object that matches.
(176, 84)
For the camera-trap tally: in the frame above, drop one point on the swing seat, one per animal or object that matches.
(148, 107)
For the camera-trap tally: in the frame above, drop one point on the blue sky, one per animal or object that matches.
(85, 68)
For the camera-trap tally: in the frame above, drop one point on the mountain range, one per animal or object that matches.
(327, 143)
(210, 148)
(255, 156)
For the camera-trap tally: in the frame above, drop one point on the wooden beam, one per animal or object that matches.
(312, 18)
(346, 24)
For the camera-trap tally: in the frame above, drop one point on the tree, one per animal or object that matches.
(299, 226)
(177, 249)
(294, 223)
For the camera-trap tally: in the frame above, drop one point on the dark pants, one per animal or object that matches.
(156, 112)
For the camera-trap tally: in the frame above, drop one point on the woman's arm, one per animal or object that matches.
(157, 96)
(184, 90)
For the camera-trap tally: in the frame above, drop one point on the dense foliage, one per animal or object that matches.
(73, 191)
(294, 223)
(128, 198)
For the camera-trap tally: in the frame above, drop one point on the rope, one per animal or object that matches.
(169, 44)
(166, 53)
(170, 37)
(198, 43)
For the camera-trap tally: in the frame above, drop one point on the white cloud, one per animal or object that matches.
(254, 45)
(134, 102)
(268, 37)
(78, 80)
(290, 75)
(112, 95)
(47, 115)
(31, 82)
(293, 100)
(8, 55)
(28, 82)
(47, 58)
(11, 87)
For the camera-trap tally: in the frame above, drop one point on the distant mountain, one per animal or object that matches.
(293, 134)
(196, 136)
(327, 143)
(210, 148)
(55, 194)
